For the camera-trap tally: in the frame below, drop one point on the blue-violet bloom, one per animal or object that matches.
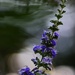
(54, 53)
(53, 42)
(47, 60)
(44, 36)
(56, 35)
(25, 71)
(37, 48)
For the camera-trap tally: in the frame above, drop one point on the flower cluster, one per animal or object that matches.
(25, 71)
(47, 47)
(35, 71)
(46, 50)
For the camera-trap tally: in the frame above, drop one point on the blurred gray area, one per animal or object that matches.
(22, 23)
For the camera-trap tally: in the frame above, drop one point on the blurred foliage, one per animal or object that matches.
(21, 10)
(12, 39)
(18, 12)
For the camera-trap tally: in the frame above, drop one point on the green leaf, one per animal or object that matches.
(63, 12)
(58, 16)
(37, 59)
(53, 21)
(59, 10)
(62, 6)
(53, 28)
(59, 23)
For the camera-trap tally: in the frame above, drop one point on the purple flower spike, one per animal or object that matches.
(37, 48)
(25, 71)
(53, 42)
(47, 60)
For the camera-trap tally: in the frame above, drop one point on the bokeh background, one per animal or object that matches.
(21, 25)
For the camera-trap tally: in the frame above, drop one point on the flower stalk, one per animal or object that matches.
(47, 47)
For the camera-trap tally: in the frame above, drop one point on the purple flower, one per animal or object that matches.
(44, 36)
(37, 48)
(43, 47)
(45, 33)
(47, 60)
(48, 49)
(53, 42)
(53, 52)
(25, 71)
(56, 35)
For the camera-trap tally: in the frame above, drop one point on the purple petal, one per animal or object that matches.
(47, 60)
(53, 42)
(36, 48)
(53, 52)
(24, 69)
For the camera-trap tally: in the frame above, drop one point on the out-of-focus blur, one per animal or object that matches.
(21, 25)
(63, 70)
